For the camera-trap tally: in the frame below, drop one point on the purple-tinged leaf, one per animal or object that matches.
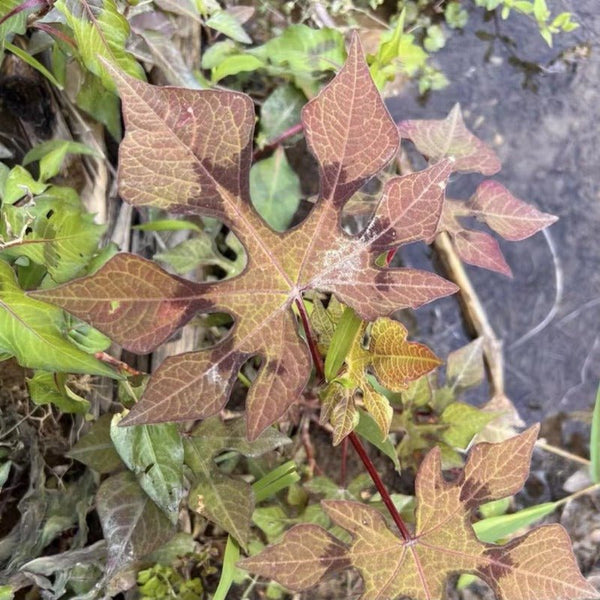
(508, 216)
(440, 138)
(482, 250)
(535, 566)
(201, 166)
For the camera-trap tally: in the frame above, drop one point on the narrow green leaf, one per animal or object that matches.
(341, 342)
(32, 62)
(275, 190)
(230, 558)
(276, 480)
(595, 441)
(496, 528)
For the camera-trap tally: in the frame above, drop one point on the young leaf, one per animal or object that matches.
(537, 565)
(133, 525)
(508, 216)
(227, 501)
(32, 331)
(208, 136)
(439, 138)
(394, 361)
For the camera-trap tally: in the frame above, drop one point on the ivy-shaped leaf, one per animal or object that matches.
(392, 359)
(537, 565)
(438, 138)
(223, 499)
(492, 203)
(201, 166)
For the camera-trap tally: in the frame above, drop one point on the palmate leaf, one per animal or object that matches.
(201, 166)
(537, 566)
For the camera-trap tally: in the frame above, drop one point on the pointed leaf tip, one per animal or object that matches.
(508, 216)
(449, 137)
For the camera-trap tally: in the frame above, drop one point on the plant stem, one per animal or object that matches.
(354, 439)
(312, 344)
(272, 144)
(385, 496)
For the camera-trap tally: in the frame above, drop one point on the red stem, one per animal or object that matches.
(272, 144)
(362, 453)
(385, 496)
(312, 344)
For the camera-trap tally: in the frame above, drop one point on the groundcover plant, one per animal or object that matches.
(189, 152)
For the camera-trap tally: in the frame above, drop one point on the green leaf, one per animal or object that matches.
(60, 235)
(32, 331)
(51, 388)
(280, 111)
(198, 251)
(276, 480)
(51, 155)
(101, 32)
(303, 54)
(237, 63)
(464, 422)
(4, 472)
(96, 449)
(154, 453)
(19, 183)
(32, 62)
(341, 342)
(595, 441)
(435, 39)
(228, 25)
(132, 524)
(496, 528)
(275, 190)
(167, 225)
(100, 103)
(370, 431)
(227, 501)
(15, 25)
(230, 558)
